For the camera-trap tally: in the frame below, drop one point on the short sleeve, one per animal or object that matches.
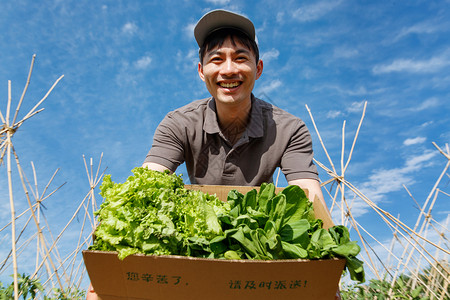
(297, 160)
(168, 143)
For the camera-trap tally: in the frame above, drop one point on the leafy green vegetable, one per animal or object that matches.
(283, 226)
(152, 213)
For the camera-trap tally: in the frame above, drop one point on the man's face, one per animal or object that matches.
(229, 72)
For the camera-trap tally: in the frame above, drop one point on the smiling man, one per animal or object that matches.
(232, 137)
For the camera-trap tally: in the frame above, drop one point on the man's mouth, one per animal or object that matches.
(229, 85)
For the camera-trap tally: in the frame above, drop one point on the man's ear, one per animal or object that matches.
(259, 68)
(200, 71)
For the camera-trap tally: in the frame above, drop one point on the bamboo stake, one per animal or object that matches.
(425, 227)
(320, 139)
(3, 264)
(353, 222)
(427, 200)
(73, 253)
(447, 155)
(41, 236)
(379, 211)
(446, 283)
(25, 89)
(335, 196)
(45, 97)
(8, 108)
(432, 275)
(385, 216)
(57, 255)
(38, 211)
(93, 181)
(342, 174)
(356, 135)
(19, 250)
(67, 225)
(34, 206)
(9, 134)
(79, 239)
(2, 119)
(391, 247)
(18, 124)
(381, 244)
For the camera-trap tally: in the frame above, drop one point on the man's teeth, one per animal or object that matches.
(229, 85)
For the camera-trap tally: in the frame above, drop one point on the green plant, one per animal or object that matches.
(30, 288)
(27, 286)
(70, 293)
(379, 289)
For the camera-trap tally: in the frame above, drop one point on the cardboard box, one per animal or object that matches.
(179, 277)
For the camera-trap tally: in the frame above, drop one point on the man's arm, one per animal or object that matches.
(155, 167)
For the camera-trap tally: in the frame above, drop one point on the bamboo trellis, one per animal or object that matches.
(61, 273)
(415, 238)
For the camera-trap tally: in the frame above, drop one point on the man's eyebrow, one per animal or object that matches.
(243, 50)
(213, 52)
(218, 52)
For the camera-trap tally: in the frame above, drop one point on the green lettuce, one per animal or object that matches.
(152, 213)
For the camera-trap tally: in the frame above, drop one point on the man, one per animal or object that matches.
(233, 138)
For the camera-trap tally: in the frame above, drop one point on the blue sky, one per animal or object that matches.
(127, 63)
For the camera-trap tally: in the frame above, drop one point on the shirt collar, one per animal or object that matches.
(211, 125)
(255, 126)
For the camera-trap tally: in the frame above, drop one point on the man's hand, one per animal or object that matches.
(91, 295)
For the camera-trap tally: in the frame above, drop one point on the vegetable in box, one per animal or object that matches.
(153, 213)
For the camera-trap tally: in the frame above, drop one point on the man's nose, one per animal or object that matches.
(228, 67)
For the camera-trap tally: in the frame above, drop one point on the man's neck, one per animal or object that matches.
(233, 119)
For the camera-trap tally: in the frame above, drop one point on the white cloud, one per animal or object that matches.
(218, 2)
(429, 103)
(280, 17)
(356, 107)
(143, 63)
(385, 181)
(344, 52)
(414, 141)
(427, 27)
(193, 55)
(187, 62)
(314, 11)
(270, 55)
(356, 91)
(189, 30)
(426, 124)
(129, 28)
(333, 114)
(272, 85)
(414, 66)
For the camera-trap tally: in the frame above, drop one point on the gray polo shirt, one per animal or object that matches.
(273, 138)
